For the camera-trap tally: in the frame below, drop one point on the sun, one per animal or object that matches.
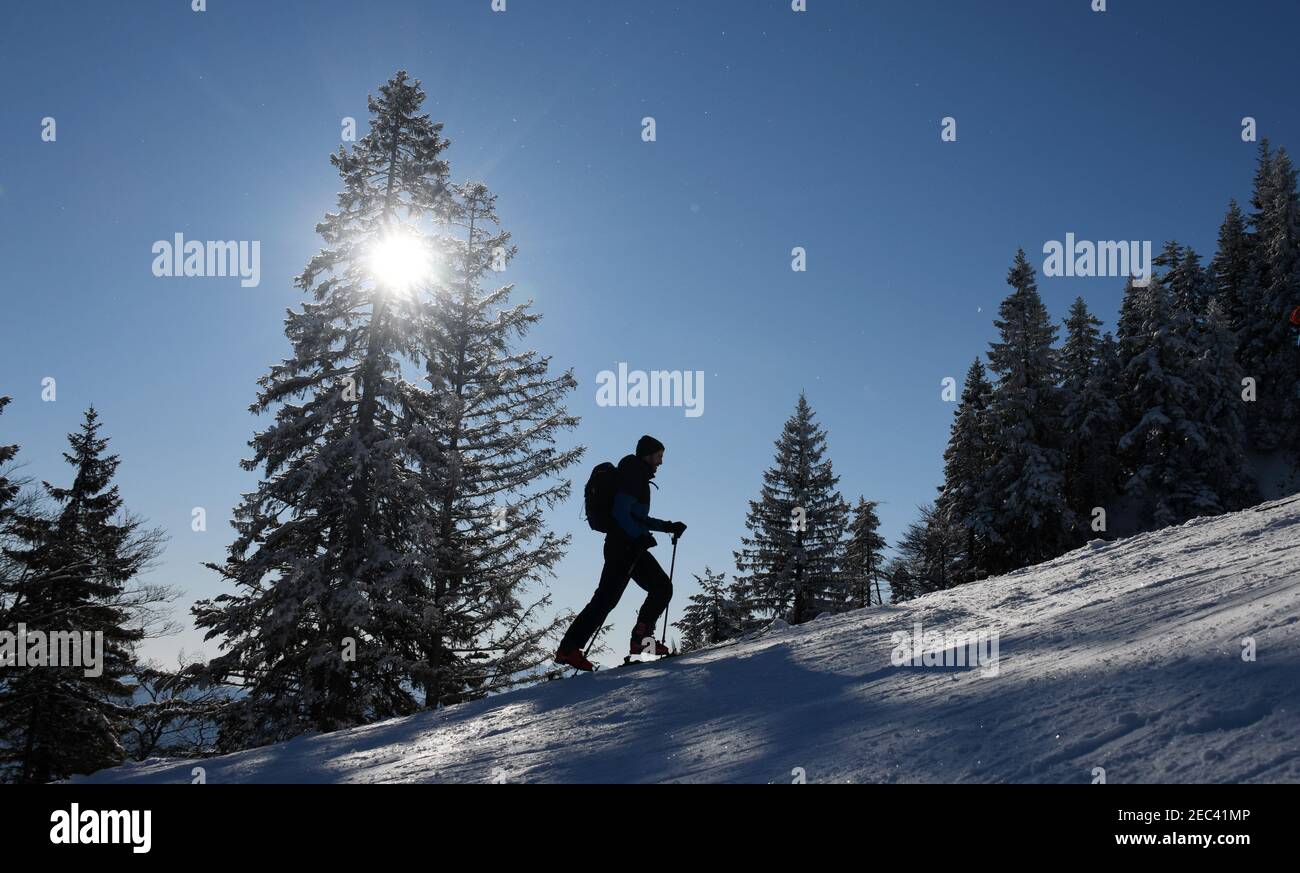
(399, 261)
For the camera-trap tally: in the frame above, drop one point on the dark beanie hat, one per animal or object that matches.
(648, 445)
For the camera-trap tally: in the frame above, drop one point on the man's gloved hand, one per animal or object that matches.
(677, 528)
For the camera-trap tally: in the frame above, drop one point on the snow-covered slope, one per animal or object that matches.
(1124, 656)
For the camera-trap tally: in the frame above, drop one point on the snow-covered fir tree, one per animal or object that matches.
(1078, 357)
(1023, 514)
(864, 561)
(8, 488)
(925, 556)
(1267, 341)
(966, 464)
(74, 566)
(903, 585)
(1232, 271)
(1160, 403)
(789, 564)
(1090, 417)
(495, 415)
(712, 616)
(324, 627)
(1190, 288)
(373, 528)
(1128, 330)
(1229, 482)
(1184, 443)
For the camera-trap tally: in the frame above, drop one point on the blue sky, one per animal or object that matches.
(775, 129)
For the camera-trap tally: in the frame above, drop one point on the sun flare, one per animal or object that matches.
(400, 261)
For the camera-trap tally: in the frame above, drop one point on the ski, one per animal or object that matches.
(565, 673)
(629, 661)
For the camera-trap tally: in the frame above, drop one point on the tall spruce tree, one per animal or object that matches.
(1129, 327)
(1024, 517)
(9, 489)
(966, 464)
(1184, 443)
(1090, 417)
(1223, 469)
(1131, 340)
(789, 565)
(1078, 362)
(1161, 400)
(494, 419)
(415, 511)
(1267, 345)
(712, 616)
(1252, 323)
(324, 627)
(863, 555)
(75, 567)
(1232, 270)
(1190, 288)
(1220, 479)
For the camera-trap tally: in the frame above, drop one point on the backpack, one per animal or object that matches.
(598, 497)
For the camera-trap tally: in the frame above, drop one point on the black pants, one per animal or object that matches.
(622, 561)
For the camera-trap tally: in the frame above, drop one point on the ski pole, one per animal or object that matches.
(587, 651)
(671, 567)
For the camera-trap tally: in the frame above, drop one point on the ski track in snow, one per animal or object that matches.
(1122, 655)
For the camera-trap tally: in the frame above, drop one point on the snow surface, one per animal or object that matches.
(1125, 656)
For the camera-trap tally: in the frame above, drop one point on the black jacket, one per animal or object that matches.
(632, 500)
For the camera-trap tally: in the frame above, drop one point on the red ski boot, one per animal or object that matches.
(640, 634)
(574, 658)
